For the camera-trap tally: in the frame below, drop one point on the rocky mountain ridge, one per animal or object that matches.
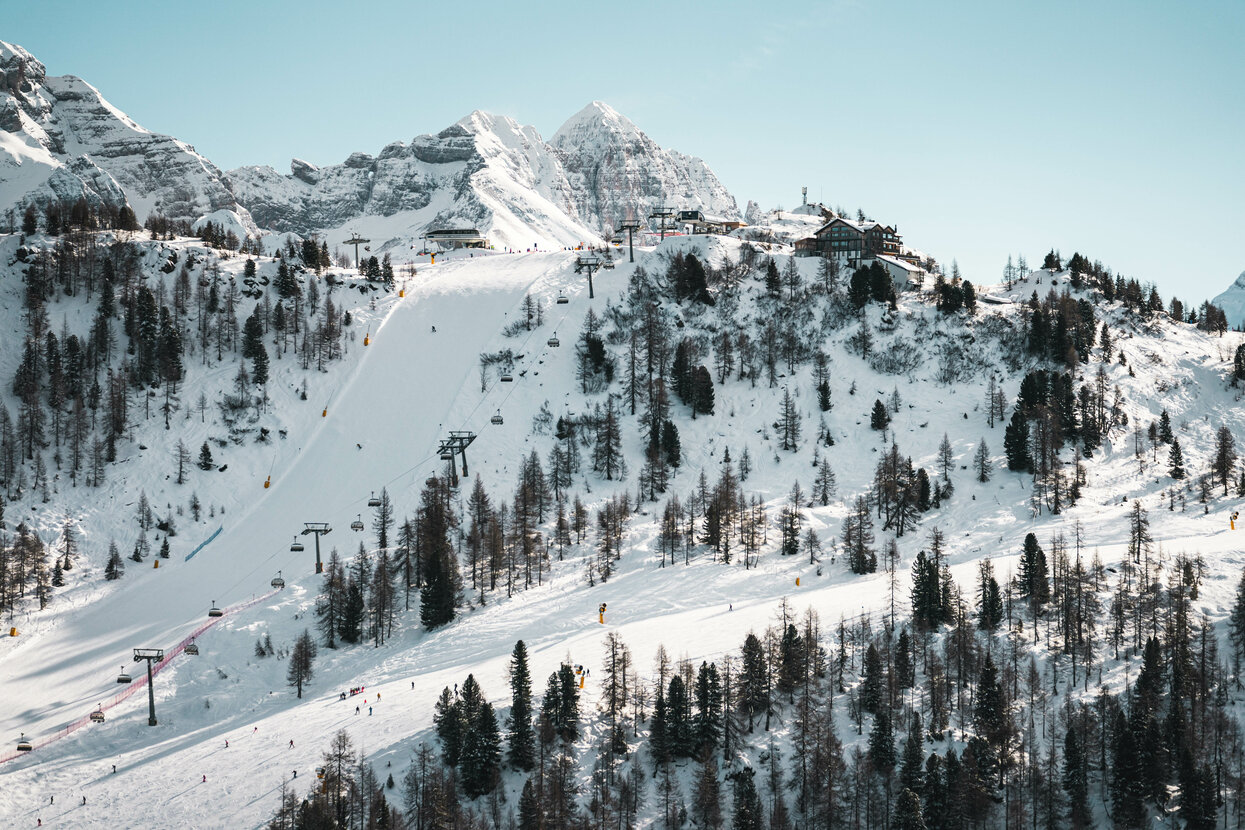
(61, 140)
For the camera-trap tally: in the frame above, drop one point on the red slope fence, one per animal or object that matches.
(141, 680)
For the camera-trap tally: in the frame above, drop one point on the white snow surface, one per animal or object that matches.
(387, 406)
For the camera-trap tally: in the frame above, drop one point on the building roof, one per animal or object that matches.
(899, 263)
(859, 227)
(453, 233)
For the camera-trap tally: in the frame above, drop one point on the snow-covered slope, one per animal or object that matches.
(60, 140)
(387, 406)
(1232, 302)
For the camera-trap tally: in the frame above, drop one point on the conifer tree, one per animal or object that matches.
(748, 812)
(880, 418)
(522, 746)
(438, 596)
(300, 671)
(1016, 443)
(1076, 778)
(872, 682)
(1165, 428)
(1175, 460)
(981, 462)
(115, 567)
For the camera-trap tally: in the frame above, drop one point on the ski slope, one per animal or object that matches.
(387, 410)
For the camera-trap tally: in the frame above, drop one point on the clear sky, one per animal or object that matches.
(979, 128)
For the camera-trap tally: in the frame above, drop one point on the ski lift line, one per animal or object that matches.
(141, 679)
(489, 391)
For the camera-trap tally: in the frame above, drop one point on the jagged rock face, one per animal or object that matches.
(62, 140)
(492, 173)
(485, 171)
(617, 172)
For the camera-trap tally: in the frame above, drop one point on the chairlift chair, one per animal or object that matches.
(447, 456)
(277, 581)
(124, 677)
(497, 419)
(214, 611)
(554, 342)
(506, 377)
(374, 501)
(24, 745)
(192, 649)
(297, 547)
(563, 299)
(357, 524)
(98, 715)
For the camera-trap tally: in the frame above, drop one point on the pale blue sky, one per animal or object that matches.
(980, 129)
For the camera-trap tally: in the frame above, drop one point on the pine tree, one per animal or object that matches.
(205, 457)
(1175, 460)
(1032, 579)
(480, 759)
(115, 567)
(882, 744)
(301, 657)
(880, 418)
(522, 746)
(707, 795)
(1076, 779)
(1165, 428)
(989, 600)
(748, 812)
(531, 817)
(1016, 443)
(438, 596)
(981, 462)
(872, 682)
(908, 812)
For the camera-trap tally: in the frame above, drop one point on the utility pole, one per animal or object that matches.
(149, 654)
(456, 444)
(319, 529)
(662, 214)
(588, 264)
(356, 241)
(630, 226)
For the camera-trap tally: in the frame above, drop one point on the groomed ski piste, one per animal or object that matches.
(229, 717)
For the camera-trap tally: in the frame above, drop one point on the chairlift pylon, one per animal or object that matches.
(374, 501)
(214, 611)
(497, 419)
(357, 524)
(297, 546)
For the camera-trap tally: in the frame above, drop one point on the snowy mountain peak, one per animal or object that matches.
(61, 140)
(1232, 302)
(18, 65)
(599, 118)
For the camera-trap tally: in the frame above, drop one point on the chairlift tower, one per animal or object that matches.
(150, 655)
(663, 215)
(588, 264)
(630, 226)
(356, 241)
(456, 444)
(319, 529)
